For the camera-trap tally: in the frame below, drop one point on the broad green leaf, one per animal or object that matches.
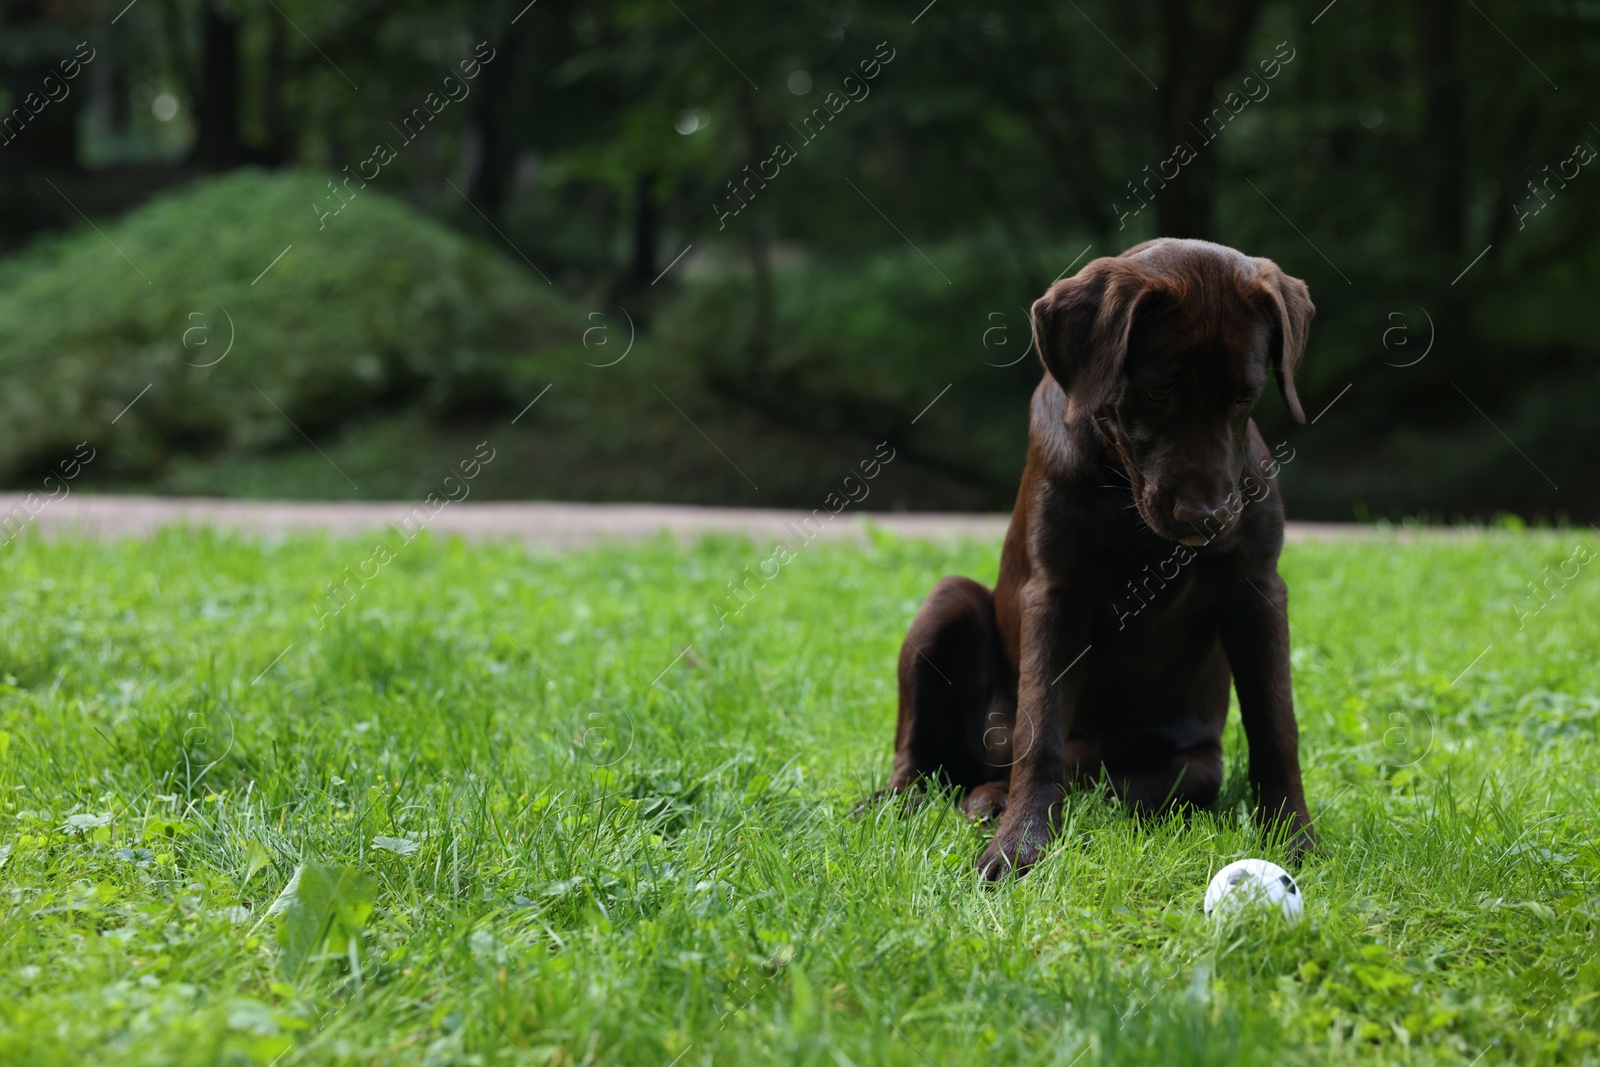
(324, 916)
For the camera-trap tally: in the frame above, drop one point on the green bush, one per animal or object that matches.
(867, 345)
(376, 307)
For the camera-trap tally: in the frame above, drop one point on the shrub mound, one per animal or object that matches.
(379, 306)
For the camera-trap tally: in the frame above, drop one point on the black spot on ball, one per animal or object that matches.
(1288, 883)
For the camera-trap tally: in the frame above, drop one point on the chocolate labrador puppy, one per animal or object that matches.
(1139, 576)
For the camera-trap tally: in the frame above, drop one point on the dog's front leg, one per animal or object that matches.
(1047, 695)
(1255, 636)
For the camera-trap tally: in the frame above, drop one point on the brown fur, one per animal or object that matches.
(1104, 652)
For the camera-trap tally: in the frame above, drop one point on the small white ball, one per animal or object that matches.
(1254, 882)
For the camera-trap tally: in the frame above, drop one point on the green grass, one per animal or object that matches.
(611, 867)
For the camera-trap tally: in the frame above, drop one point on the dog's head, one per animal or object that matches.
(1166, 349)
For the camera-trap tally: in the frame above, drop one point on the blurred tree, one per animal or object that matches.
(1201, 44)
(217, 144)
(1420, 165)
(1438, 45)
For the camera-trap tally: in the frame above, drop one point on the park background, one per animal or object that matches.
(358, 794)
(555, 210)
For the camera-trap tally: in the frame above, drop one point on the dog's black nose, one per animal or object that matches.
(1188, 513)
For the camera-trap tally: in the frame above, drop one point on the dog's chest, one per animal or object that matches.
(1149, 599)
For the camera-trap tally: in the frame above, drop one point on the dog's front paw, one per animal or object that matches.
(1292, 827)
(1303, 843)
(1015, 848)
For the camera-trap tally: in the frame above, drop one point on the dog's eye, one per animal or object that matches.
(1157, 396)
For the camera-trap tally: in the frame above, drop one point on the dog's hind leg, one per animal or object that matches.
(957, 699)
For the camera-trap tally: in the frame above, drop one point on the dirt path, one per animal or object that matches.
(536, 524)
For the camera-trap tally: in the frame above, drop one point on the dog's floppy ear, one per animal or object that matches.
(1291, 304)
(1081, 327)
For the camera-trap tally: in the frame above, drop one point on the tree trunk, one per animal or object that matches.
(1438, 35)
(217, 145)
(761, 341)
(38, 131)
(280, 141)
(1196, 56)
(107, 88)
(497, 144)
(646, 232)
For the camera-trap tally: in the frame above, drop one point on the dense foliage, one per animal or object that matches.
(831, 166)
